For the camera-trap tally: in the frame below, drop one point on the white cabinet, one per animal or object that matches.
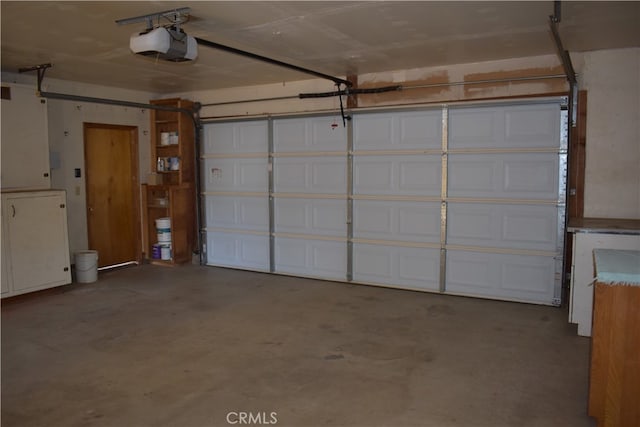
(25, 143)
(35, 243)
(590, 234)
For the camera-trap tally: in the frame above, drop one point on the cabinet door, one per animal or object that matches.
(25, 144)
(37, 240)
(3, 270)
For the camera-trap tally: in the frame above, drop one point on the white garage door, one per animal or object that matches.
(397, 171)
(462, 199)
(236, 194)
(310, 197)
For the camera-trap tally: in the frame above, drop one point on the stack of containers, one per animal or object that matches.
(163, 227)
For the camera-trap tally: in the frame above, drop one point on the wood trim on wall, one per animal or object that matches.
(577, 159)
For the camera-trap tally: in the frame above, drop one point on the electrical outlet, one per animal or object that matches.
(77, 190)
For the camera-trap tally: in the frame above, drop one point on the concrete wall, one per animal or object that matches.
(612, 183)
(513, 68)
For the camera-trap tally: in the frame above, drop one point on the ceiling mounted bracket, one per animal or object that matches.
(172, 15)
(41, 69)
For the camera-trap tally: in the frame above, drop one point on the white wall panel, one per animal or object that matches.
(327, 175)
(523, 126)
(532, 227)
(398, 130)
(504, 276)
(238, 250)
(308, 134)
(236, 137)
(241, 212)
(397, 220)
(230, 174)
(417, 175)
(396, 266)
(513, 175)
(314, 258)
(311, 216)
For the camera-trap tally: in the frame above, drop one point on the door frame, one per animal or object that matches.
(134, 155)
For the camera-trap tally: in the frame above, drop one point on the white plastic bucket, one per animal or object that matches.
(86, 266)
(163, 223)
(164, 236)
(165, 252)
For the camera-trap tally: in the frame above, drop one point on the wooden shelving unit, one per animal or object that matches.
(180, 142)
(173, 196)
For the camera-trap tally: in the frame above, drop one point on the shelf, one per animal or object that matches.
(176, 186)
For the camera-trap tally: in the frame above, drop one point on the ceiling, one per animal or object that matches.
(84, 44)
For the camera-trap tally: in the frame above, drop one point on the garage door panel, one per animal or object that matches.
(236, 137)
(398, 131)
(533, 227)
(329, 175)
(475, 127)
(397, 220)
(310, 216)
(398, 175)
(505, 276)
(308, 134)
(503, 226)
(313, 258)
(395, 265)
(247, 213)
(530, 176)
(238, 250)
(535, 174)
(523, 126)
(533, 126)
(310, 175)
(373, 132)
(500, 210)
(236, 175)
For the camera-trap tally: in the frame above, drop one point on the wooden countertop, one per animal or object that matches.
(604, 225)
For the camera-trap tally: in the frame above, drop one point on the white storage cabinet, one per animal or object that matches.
(35, 243)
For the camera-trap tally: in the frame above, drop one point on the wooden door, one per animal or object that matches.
(113, 213)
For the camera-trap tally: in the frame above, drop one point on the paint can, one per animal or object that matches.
(155, 251)
(163, 222)
(165, 252)
(174, 163)
(163, 227)
(86, 266)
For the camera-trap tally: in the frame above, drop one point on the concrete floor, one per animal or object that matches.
(185, 346)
